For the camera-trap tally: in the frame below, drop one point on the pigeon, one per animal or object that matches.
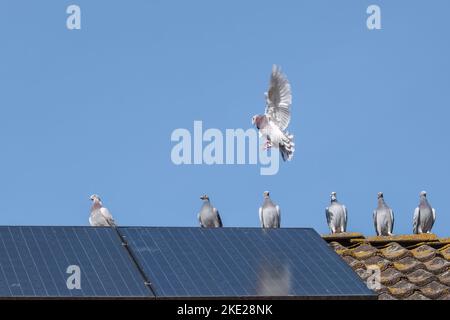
(273, 123)
(209, 216)
(100, 216)
(269, 213)
(424, 216)
(383, 218)
(336, 215)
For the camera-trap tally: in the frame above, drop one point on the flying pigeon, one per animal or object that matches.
(269, 213)
(273, 123)
(383, 218)
(424, 216)
(209, 216)
(100, 216)
(336, 215)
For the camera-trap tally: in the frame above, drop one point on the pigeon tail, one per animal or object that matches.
(287, 147)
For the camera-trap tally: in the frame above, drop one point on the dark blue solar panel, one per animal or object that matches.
(34, 261)
(241, 262)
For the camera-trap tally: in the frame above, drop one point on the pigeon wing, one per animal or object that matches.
(261, 219)
(345, 217)
(278, 215)
(416, 220)
(279, 99)
(392, 219)
(107, 216)
(219, 220)
(375, 220)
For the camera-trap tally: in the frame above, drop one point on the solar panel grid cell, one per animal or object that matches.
(34, 261)
(241, 262)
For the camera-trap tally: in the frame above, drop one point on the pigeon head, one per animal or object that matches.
(380, 195)
(204, 197)
(333, 196)
(423, 193)
(266, 194)
(256, 120)
(95, 198)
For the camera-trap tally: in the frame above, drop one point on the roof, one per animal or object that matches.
(172, 262)
(412, 266)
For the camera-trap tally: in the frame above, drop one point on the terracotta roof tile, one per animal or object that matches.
(354, 263)
(390, 276)
(364, 251)
(394, 251)
(421, 277)
(363, 273)
(386, 296)
(378, 261)
(445, 278)
(434, 290)
(437, 265)
(444, 297)
(408, 264)
(445, 252)
(417, 296)
(413, 267)
(402, 289)
(424, 253)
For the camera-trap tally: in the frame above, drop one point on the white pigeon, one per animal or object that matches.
(383, 218)
(269, 213)
(424, 216)
(100, 216)
(209, 217)
(273, 123)
(336, 215)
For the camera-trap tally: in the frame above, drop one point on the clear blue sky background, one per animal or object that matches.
(92, 111)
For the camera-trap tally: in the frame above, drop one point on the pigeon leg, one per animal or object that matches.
(267, 145)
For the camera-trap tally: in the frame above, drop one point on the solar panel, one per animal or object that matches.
(34, 262)
(241, 262)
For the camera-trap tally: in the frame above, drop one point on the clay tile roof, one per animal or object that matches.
(417, 296)
(421, 277)
(437, 265)
(378, 261)
(386, 296)
(408, 264)
(402, 289)
(413, 267)
(394, 251)
(391, 276)
(434, 290)
(424, 253)
(364, 251)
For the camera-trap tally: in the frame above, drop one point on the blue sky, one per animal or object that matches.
(92, 110)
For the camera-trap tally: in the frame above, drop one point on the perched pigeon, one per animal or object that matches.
(336, 215)
(209, 216)
(383, 218)
(273, 123)
(269, 213)
(100, 216)
(424, 216)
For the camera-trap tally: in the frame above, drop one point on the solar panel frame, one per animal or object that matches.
(186, 262)
(34, 261)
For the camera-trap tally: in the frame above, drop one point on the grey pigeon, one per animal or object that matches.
(273, 123)
(336, 215)
(100, 216)
(208, 216)
(269, 213)
(383, 217)
(424, 216)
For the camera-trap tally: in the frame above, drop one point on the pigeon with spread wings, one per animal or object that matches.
(274, 122)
